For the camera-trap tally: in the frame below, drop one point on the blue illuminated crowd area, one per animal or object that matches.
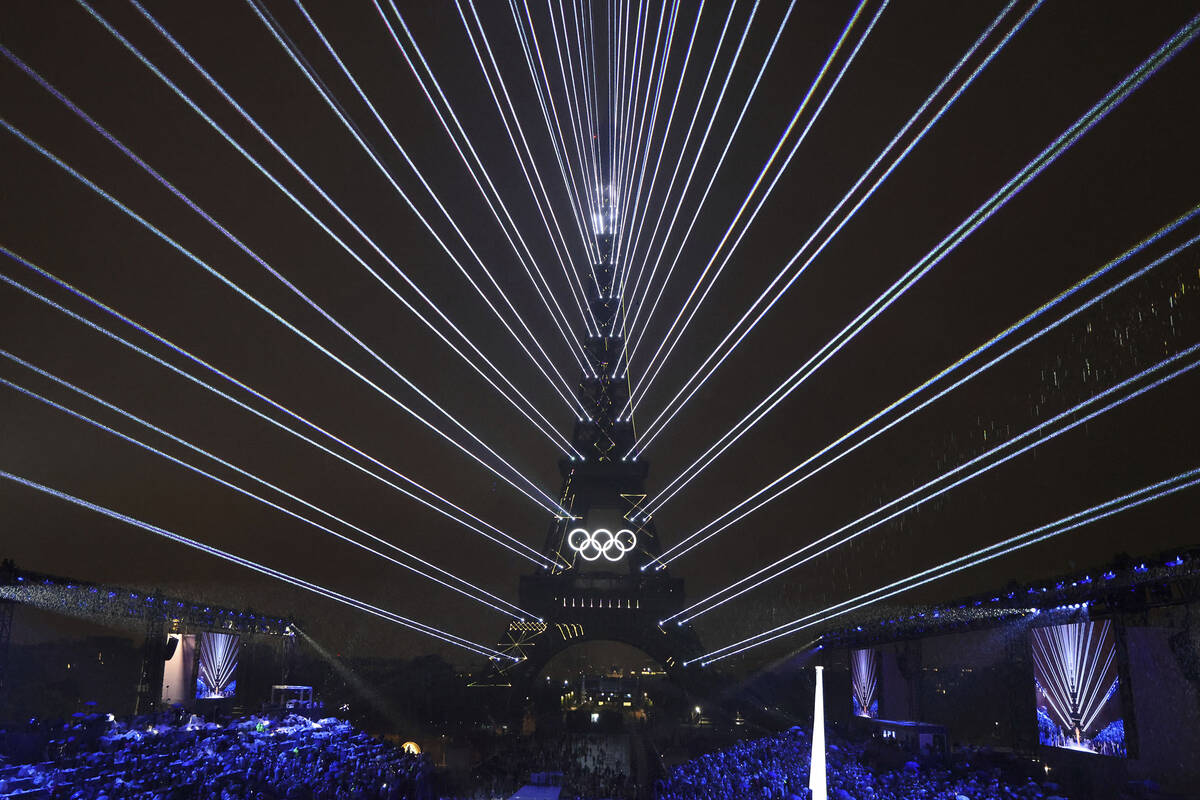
(776, 767)
(166, 757)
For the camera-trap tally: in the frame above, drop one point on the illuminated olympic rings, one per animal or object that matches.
(592, 544)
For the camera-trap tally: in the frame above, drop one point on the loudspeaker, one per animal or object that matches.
(169, 647)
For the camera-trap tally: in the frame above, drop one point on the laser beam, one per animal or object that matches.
(704, 604)
(548, 503)
(583, 214)
(688, 543)
(524, 256)
(544, 204)
(654, 365)
(641, 201)
(1134, 499)
(667, 414)
(541, 365)
(548, 429)
(1018, 182)
(420, 627)
(480, 595)
(639, 225)
(692, 124)
(471, 522)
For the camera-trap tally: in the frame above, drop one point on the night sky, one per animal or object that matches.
(1136, 171)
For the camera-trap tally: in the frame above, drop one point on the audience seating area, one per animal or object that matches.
(164, 758)
(777, 767)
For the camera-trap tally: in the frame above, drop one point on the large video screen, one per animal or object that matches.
(1075, 672)
(864, 683)
(216, 674)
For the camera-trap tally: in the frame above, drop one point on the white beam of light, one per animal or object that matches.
(544, 426)
(1100, 511)
(671, 410)
(687, 138)
(642, 199)
(575, 115)
(638, 146)
(589, 35)
(763, 575)
(626, 44)
(262, 569)
(467, 519)
(557, 382)
(712, 116)
(639, 200)
(588, 120)
(935, 256)
(655, 364)
(545, 501)
(639, 151)
(638, 226)
(689, 543)
(476, 593)
(816, 766)
(524, 256)
(579, 200)
(544, 203)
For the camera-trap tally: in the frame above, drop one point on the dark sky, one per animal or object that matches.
(1136, 171)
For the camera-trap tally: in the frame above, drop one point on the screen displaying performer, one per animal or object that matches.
(216, 673)
(1076, 682)
(864, 683)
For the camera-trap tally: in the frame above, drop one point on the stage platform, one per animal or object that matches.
(537, 793)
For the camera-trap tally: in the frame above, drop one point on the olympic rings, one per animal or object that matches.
(592, 544)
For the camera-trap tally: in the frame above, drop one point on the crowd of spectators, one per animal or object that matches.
(777, 767)
(586, 766)
(170, 757)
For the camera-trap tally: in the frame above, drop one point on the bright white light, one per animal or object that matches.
(816, 770)
(590, 545)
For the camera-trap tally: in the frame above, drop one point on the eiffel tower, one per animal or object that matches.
(598, 590)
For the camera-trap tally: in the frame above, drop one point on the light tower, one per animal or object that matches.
(598, 590)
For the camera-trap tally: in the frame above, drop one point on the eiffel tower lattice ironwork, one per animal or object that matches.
(599, 591)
